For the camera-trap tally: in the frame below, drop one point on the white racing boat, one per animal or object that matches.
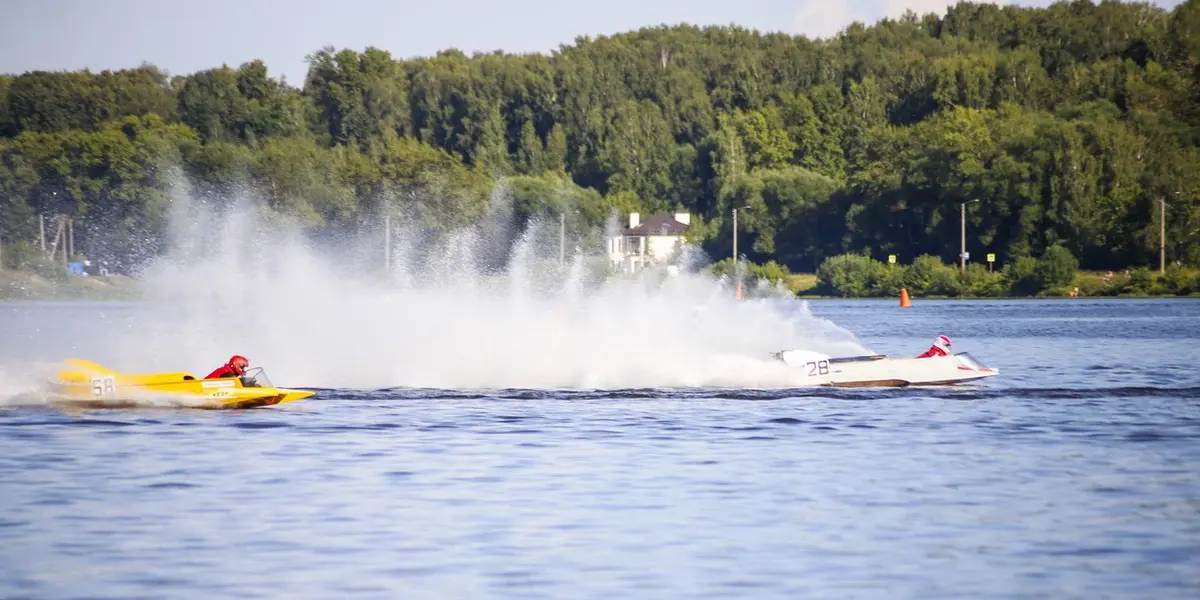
(879, 370)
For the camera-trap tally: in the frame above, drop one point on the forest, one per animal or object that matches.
(1075, 127)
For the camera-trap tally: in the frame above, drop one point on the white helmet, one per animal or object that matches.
(942, 342)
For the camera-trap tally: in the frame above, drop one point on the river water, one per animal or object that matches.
(1074, 474)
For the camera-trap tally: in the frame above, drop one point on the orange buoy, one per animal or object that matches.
(905, 301)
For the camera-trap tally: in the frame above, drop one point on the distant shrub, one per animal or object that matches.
(722, 268)
(1053, 273)
(1055, 269)
(1092, 284)
(978, 281)
(1176, 280)
(1157, 285)
(851, 275)
(1137, 282)
(771, 271)
(929, 276)
(920, 277)
(888, 280)
(1019, 276)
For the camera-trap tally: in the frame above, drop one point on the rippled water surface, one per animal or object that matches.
(1075, 474)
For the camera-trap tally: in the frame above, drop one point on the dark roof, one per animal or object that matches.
(658, 225)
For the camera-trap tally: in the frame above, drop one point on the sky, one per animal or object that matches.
(183, 37)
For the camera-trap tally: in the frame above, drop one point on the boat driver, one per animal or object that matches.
(236, 367)
(940, 347)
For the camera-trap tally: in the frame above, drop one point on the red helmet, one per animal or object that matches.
(238, 364)
(942, 342)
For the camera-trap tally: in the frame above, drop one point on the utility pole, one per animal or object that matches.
(735, 232)
(735, 239)
(1162, 234)
(962, 238)
(387, 244)
(735, 235)
(60, 235)
(737, 273)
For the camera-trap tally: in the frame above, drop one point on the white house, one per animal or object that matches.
(657, 240)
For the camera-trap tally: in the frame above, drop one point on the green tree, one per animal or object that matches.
(530, 151)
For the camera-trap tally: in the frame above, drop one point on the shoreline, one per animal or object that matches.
(804, 286)
(974, 298)
(22, 286)
(26, 286)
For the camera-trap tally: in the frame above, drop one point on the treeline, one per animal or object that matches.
(1067, 123)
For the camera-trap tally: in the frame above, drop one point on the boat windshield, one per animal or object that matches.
(256, 377)
(965, 359)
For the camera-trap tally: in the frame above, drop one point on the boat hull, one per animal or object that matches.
(883, 371)
(87, 385)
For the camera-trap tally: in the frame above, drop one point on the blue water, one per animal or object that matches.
(1075, 474)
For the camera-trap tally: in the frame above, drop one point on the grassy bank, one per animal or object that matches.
(802, 284)
(22, 285)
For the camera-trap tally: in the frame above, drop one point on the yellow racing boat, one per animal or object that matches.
(87, 384)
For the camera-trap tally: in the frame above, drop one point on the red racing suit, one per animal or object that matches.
(222, 372)
(933, 350)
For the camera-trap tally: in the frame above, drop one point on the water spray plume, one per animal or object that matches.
(487, 306)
